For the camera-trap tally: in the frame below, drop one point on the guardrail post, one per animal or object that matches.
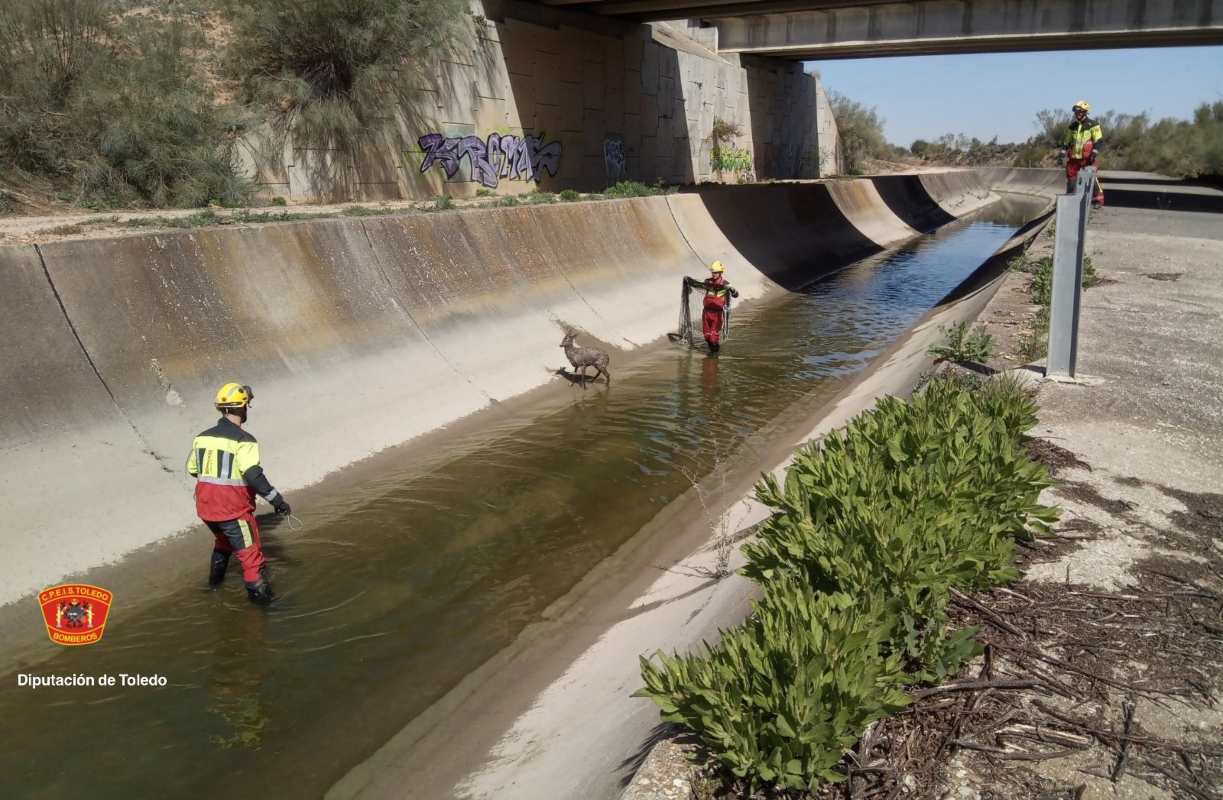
(1067, 286)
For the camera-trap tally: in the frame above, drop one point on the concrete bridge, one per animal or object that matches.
(829, 29)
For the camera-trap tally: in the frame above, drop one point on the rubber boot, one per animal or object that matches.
(714, 347)
(217, 567)
(260, 592)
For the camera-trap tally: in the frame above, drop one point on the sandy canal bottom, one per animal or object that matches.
(397, 587)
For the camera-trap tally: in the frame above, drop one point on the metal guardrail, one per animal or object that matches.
(1067, 290)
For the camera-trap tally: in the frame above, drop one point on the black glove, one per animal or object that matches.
(282, 508)
(1091, 159)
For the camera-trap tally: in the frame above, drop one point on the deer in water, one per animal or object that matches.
(583, 357)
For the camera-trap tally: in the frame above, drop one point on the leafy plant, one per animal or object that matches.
(781, 698)
(569, 196)
(870, 530)
(1041, 286)
(1034, 343)
(723, 158)
(634, 189)
(443, 203)
(961, 344)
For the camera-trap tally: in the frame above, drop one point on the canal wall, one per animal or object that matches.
(357, 334)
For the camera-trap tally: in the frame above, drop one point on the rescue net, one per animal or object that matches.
(686, 331)
(689, 331)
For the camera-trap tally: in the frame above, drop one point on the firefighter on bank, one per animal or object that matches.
(717, 300)
(224, 460)
(1081, 143)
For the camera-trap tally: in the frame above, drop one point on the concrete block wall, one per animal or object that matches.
(557, 100)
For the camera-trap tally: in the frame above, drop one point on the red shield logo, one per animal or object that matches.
(75, 613)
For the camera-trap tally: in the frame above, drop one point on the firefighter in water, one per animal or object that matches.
(224, 460)
(1082, 142)
(717, 298)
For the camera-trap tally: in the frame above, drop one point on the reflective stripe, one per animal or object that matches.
(227, 460)
(247, 539)
(272, 495)
(221, 481)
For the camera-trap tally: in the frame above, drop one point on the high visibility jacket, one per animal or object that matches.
(1080, 133)
(224, 460)
(716, 289)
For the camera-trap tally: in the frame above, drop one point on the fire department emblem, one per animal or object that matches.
(75, 613)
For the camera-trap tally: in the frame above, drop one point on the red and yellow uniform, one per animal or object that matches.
(717, 299)
(224, 460)
(1082, 142)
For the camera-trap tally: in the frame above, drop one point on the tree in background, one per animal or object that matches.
(109, 100)
(330, 71)
(127, 103)
(860, 130)
(1175, 147)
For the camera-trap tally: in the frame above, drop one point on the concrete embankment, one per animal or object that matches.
(358, 334)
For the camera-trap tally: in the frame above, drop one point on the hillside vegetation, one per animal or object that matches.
(1181, 148)
(116, 103)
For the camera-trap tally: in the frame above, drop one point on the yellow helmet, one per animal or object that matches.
(717, 267)
(1083, 104)
(234, 395)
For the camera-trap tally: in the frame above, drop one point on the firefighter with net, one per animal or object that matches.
(715, 314)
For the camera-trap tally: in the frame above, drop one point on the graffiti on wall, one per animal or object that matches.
(508, 156)
(613, 157)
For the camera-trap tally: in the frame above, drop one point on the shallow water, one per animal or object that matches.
(394, 591)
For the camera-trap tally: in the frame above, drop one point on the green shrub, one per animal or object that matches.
(509, 200)
(279, 201)
(871, 528)
(360, 211)
(443, 203)
(1034, 344)
(961, 344)
(909, 498)
(540, 197)
(781, 698)
(724, 157)
(327, 69)
(634, 189)
(1090, 276)
(116, 103)
(482, 192)
(1041, 286)
(860, 132)
(569, 195)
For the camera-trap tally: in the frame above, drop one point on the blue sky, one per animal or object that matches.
(999, 93)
